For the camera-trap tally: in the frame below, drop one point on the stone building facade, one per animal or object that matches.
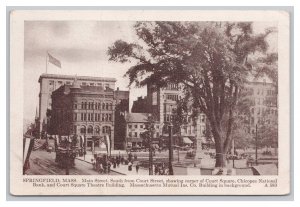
(84, 110)
(162, 102)
(51, 82)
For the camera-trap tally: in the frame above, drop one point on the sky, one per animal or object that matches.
(81, 48)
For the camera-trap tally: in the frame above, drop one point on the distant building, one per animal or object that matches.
(51, 82)
(140, 105)
(263, 110)
(135, 126)
(121, 108)
(86, 110)
(163, 102)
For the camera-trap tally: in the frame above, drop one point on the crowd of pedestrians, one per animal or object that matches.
(104, 163)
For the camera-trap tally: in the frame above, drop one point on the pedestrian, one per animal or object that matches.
(118, 162)
(108, 167)
(114, 164)
(155, 169)
(137, 167)
(130, 166)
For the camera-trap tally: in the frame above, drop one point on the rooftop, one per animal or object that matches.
(71, 77)
(137, 117)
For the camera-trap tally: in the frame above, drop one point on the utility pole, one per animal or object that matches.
(170, 149)
(150, 120)
(233, 153)
(256, 143)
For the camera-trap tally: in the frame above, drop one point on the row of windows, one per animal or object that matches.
(142, 126)
(93, 130)
(60, 83)
(172, 97)
(93, 117)
(96, 106)
(135, 134)
(264, 111)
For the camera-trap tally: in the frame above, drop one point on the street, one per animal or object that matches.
(43, 163)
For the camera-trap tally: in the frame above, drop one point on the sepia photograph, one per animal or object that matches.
(155, 98)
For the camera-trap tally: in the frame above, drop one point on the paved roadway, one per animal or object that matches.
(43, 163)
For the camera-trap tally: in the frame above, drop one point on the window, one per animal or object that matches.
(110, 106)
(75, 117)
(106, 106)
(90, 130)
(141, 126)
(103, 117)
(75, 106)
(103, 106)
(136, 126)
(92, 117)
(106, 130)
(130, 134)
(84, 117)
(75, 129)
(97, 130)
(92, 84)
(82, 130)
(109, 117)
(129, 126)
(89, 116)
(135, 134)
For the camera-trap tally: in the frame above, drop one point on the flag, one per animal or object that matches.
(54, 61)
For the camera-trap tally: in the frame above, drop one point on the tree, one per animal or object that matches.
(210, 59)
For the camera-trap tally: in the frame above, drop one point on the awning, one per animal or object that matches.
(186, 140)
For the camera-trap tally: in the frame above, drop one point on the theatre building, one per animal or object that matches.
(85, 110)
(51, 82)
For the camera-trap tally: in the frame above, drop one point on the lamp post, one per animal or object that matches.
(256, 143)
(170, 149)
(150, 120)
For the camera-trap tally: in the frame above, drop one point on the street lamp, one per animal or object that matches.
(170, 149)
(150, 120)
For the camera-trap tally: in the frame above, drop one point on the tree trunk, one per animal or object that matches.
(220, 156)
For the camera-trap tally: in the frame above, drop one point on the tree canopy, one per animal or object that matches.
(212, 60)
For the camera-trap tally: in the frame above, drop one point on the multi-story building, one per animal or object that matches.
(136, 126)
(51, 82)
(162, 103)
(140, 105)
(86, 110)
(122, 107)
(263, 109)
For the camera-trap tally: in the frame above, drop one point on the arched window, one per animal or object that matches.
(97, 130)
(82, 130)
(90, 130)
(106, 130)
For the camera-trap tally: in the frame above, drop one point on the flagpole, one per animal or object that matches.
(47, 62)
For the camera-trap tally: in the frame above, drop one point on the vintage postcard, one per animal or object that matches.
(149, 102)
